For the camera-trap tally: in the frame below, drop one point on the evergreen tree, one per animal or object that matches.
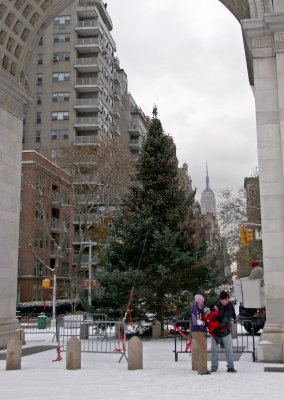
(151, 245)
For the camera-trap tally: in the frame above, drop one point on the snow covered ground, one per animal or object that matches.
(102, 377)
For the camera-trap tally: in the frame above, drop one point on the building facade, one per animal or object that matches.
(45, 226)
(80, 93)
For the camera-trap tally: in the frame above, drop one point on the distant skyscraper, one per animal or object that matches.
(208, 202)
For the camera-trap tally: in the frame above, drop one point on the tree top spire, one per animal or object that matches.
(155, 111)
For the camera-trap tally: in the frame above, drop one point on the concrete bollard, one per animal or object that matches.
(84, 331)
(22, 337)
(135, 353)
(156, 330)
(14, 354)
(73, 353)
(194, 355)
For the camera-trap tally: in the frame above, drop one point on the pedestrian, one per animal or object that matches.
(198, 330)
(223, 333)
(257, 271)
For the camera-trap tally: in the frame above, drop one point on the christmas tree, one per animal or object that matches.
(151, 258)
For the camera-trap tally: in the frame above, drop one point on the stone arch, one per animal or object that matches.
(262, 23)
(22, 23)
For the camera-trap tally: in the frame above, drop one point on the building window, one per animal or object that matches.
(39, 79)
(61, 37)
(61, 76)
(38, 240)
(60, 96)
(60, 115)
(65, 270)
(37, 137)
(38, 211)
(38, 117)
(60, 134)
(40, 42)
(36, 293)
(40, 59)
(62, 56)
(62, 20)
(39, 98)
(37, 268)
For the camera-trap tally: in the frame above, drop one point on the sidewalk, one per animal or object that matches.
(102, 377)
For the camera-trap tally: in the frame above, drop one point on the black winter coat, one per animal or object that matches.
(225, 316)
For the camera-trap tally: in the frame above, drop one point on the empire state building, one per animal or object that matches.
(208, 202)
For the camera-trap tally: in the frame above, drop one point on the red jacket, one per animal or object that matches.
(211, 322)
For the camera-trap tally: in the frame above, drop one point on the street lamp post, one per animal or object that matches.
(90, 274)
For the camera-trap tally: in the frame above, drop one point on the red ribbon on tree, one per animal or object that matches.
(129, 314)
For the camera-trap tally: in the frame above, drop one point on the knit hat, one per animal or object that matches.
(224, 295)
(254, 263)
(198, 298)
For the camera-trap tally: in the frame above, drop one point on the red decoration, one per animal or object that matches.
(59, 358)
(254, 263)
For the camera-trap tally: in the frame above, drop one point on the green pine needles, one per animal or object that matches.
(151, 245)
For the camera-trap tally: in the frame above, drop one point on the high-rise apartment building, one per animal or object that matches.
(80, 93)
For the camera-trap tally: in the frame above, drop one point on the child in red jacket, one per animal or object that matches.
(210, 317)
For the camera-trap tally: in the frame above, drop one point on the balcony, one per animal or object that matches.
(93, 217)
(88, 105)
(89, 28)
(87, 6)
(57, 225)
(116, 96)
(88, 124)
(116, 130)
(116, 112)
(135, 144)
(84, 259)
(85, 64)
(137, 111)
(116, 63)
(89, 45)
(135, 130)
(88, 140)
(88, 85)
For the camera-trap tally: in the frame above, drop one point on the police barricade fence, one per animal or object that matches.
(96, 335)
(243, 342)
(37, 323)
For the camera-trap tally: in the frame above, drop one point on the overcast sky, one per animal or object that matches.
(187, 57)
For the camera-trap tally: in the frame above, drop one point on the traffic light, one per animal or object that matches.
(243, 236)
(249, 235)
(94, 283)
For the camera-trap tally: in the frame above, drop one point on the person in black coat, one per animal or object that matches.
(223, 332)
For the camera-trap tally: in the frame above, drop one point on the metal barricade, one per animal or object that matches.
(37, 323)
(96, 335)
(242, 343)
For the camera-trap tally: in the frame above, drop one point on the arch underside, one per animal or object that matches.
(21, 24)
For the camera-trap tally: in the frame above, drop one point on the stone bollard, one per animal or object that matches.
(22, 337)
(156, 330)
(135, 353)
(14, 354)
(84, 331)
(194, 355)
(73, 353)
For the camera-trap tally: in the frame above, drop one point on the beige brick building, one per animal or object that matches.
(80, 93)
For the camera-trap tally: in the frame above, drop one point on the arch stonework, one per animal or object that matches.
(21, 24)
(262, 23)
